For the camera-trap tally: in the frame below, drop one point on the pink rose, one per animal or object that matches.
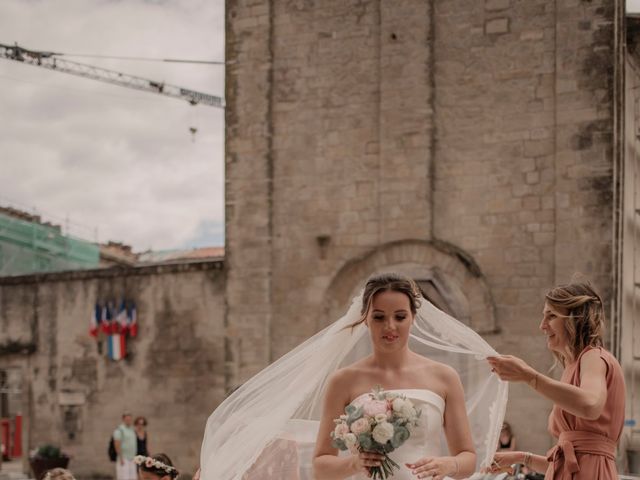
(341, 430)
(375, 407)
(360, 426)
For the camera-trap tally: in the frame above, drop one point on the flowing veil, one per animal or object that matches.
(267, 427)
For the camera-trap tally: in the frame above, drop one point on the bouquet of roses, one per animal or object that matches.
(380, 422)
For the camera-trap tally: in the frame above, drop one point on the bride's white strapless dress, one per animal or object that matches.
(426, 439)
(290, 457)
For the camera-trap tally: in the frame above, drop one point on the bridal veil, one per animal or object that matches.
(267, 427)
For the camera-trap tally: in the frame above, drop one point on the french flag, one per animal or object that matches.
(113, 347)
(105, 323)
(114, 326)
(116, 346)
(132, 317)
(121, 319)
(95, 321)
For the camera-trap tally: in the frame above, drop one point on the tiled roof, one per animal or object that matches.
(180, 255)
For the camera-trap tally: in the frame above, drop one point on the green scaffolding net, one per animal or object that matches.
(31, 247)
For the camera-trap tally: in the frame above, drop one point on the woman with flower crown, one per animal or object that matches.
(278, 424)
(157, 467)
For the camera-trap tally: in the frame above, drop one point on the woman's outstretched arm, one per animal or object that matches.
(586, 401)
(502, 461)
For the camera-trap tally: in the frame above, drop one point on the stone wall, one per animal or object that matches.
(629, 334)
(471, 141)
(74, 396)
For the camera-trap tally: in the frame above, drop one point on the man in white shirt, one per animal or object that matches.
(125, 442)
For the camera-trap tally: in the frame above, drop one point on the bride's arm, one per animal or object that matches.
(326, 463)
(456, 428)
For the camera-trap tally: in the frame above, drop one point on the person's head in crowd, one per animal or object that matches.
(140, 424)
(58, 474)
(127, 419)
(156, 467)
(506, 436)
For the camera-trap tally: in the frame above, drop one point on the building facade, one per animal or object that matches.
(474, 145)
(71, 393)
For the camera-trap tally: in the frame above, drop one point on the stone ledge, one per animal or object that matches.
(118, 271)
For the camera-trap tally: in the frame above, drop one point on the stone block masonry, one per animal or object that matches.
(477, 133)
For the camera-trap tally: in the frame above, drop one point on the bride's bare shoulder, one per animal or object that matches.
(438, 369)
(345, 376)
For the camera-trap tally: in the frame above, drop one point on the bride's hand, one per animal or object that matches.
(511, 369)
(436, 468)
(362, 461)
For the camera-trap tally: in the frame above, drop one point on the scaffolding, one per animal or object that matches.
(32, 247)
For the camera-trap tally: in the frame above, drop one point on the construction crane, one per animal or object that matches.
(52, 61)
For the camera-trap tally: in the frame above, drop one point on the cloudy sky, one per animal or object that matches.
(107, 158)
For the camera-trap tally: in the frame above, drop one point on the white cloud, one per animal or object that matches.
(105, 156)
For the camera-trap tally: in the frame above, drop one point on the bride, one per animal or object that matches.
(277, 424)
(389, 305)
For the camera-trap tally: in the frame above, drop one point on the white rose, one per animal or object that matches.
(383, 432)
(381, 417)
(408, 412)
(404, 409)
(350, 440)
(398, 404)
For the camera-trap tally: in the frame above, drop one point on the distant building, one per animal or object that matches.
(29, 245)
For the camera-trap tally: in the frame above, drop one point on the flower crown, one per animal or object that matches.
(153, 463)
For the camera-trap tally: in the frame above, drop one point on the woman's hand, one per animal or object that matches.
(196, 476)
(363, 461)
(436, 468)
(512, 369)
(502, 462)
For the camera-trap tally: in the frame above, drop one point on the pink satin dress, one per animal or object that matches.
(586, 449)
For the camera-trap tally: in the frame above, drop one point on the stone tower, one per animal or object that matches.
(470, 144)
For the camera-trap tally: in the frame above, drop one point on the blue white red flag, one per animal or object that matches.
(95, 321)
(105, 323)
(121, 318)
(132, 316)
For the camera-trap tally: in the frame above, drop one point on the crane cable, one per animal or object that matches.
(142, 59)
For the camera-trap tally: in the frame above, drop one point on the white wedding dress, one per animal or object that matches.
(426, 439)
(267, 428)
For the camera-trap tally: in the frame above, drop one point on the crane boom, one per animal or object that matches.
(52, 62)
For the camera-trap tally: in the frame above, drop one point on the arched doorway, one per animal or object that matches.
(447, 276)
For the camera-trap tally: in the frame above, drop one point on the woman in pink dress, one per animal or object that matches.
(588, 412)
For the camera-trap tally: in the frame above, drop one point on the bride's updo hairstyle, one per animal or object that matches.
(584, 315)
(388, 282)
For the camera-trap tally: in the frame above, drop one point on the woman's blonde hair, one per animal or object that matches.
(58, 474)
(584, 317)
